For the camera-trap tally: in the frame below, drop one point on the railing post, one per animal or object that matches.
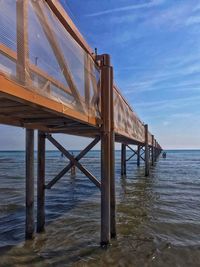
(123, 159)
(41, 183)
(138, 155)
(107, 151)
(146, 151)
(152, 151)
(87, 71)
(29, 228)
(22, 41)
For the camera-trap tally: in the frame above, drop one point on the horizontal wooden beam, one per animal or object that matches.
(16, 92)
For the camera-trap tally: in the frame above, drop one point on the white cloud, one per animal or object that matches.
(127, 8)
(192, 20)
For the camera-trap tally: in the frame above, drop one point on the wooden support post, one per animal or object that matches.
(29, 228)
(106, 91)
(41, 183)
(155, 148)
(146, 151)
(113, 231)
(138, 155)
(123, 159)
(152, 151)
(73, 170)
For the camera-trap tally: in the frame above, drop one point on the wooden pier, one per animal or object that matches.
(51, 81)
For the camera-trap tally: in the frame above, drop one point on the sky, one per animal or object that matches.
(155, 50)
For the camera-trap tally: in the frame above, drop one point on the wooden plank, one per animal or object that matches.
(10, 121)
(13, 109)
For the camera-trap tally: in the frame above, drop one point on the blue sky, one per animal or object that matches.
(155, 50)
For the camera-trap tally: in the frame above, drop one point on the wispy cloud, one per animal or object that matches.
(192, 20)
(170, 105)
(127, 8)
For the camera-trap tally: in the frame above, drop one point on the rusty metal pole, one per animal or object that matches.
(152, 151)
(123, 159)
(29, 227)
(41, 183)
(138, 155)
(146, 151)
(106, 77)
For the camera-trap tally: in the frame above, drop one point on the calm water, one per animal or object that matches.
(158, 218)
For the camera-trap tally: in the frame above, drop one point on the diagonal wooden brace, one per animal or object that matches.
(131, 156)
(134, 153)
(142, 158)
(68, 167)
(74, 161)
(43, 19)
(131, 148)
(142, 153)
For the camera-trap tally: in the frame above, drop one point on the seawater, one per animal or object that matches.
(158, 217)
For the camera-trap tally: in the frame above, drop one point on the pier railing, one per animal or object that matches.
(42, 51)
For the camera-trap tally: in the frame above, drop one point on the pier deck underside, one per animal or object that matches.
(24, 108)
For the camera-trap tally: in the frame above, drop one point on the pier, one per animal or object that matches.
(51, 81)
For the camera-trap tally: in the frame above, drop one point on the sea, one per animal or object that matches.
(158, 217)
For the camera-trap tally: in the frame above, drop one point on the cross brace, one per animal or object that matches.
(73, 161)
(134, 153)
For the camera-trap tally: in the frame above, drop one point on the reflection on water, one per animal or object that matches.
(158, 217)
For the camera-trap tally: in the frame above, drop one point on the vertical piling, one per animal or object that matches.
(146, 151)
(29, 227)
(138, 155)
(113, 231)
(123, 159)
(41, 183)
(106, 83)
(155, 150)
(152, 151)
